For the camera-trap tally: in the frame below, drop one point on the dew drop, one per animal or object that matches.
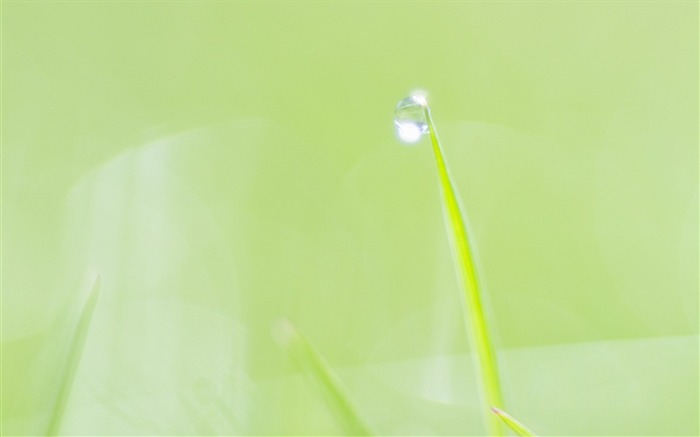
(409, 118)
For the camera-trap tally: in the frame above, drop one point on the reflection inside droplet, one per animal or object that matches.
(409, 132)
(409, 118)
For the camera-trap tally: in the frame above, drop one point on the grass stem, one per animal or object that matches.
(311, 361)
(75, 353)
(514, 424)
(476, 318)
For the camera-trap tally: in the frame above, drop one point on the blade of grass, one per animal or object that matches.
(73, 362)
(479, 332)
(311, 361)
(514, 424)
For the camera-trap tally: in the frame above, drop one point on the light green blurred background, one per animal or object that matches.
(222, 165)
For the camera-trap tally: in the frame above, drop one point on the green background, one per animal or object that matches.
(224, 165)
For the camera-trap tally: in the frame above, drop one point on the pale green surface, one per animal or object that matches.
(222, 165)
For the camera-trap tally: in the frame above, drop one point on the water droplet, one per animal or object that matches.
(409, 118)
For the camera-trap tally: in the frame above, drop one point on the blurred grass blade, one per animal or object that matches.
(199, 421)
(73, 361)
(478, 332)
(515, 425)
(306, 356)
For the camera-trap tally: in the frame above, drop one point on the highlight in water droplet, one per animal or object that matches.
(409, 118)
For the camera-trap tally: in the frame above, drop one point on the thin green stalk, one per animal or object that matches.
(73, 362)
(514, 424)
(476, 317)
(308, 358)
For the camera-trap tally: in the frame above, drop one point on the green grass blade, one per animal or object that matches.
(73, 361)
(308, 358)
(514, 424)
(478, 332)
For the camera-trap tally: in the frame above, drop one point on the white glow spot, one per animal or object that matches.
(409, 132)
